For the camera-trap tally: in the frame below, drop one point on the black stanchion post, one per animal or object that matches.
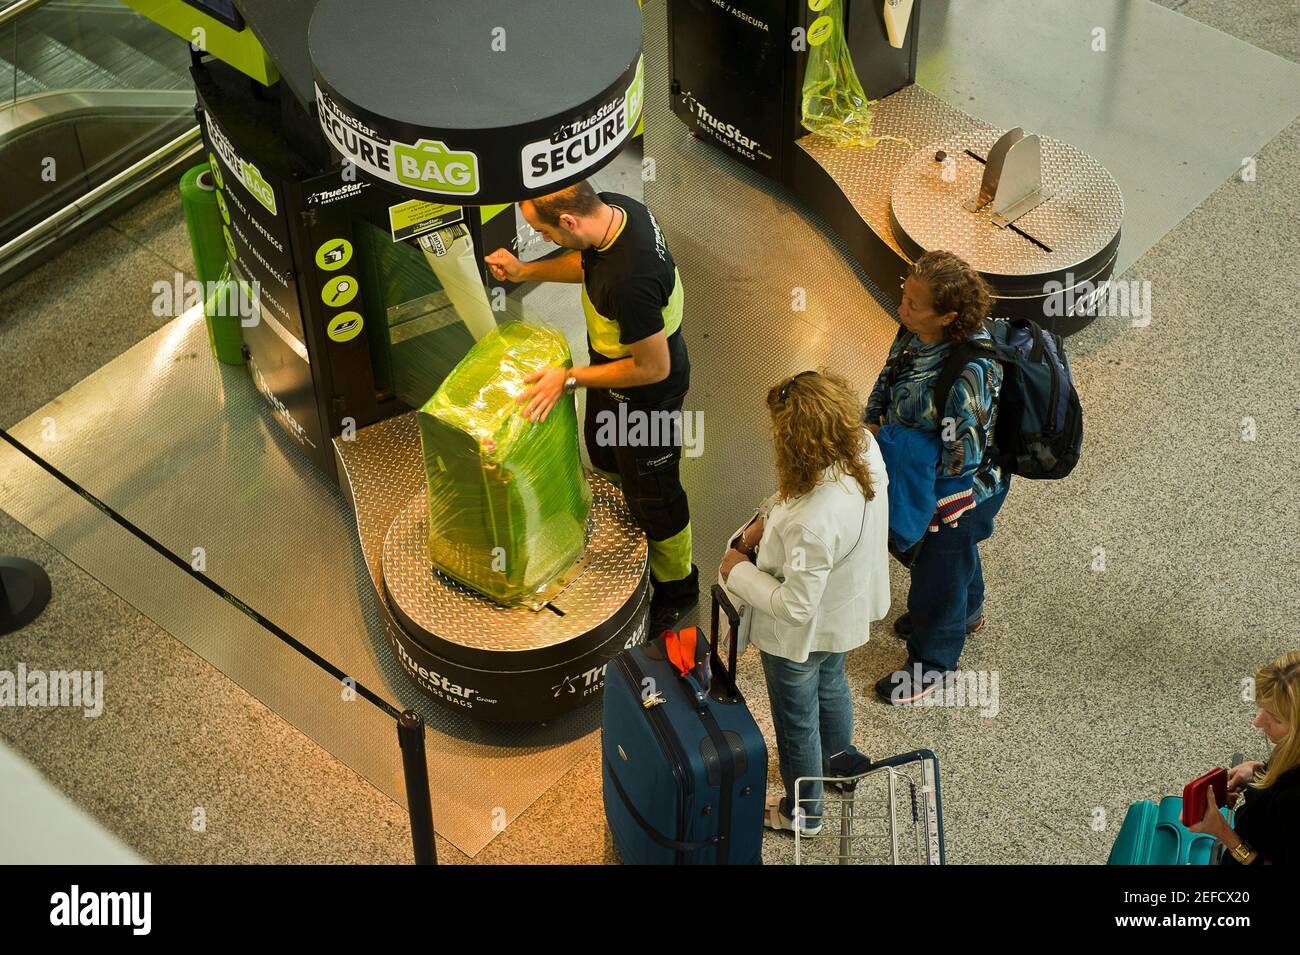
(410, 735)
(24, 592)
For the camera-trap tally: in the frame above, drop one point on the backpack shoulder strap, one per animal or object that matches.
(959, 356)
(903, 339)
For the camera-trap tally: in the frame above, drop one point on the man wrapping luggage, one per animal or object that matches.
(639, 372)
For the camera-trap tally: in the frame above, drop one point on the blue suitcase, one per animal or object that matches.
(1154, 835)
(683, 765)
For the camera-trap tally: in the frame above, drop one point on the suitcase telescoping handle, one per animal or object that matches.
(721, 600)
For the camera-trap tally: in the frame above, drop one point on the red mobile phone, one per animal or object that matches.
(1194, 794)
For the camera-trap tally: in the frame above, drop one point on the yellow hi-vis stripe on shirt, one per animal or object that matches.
(604, 332)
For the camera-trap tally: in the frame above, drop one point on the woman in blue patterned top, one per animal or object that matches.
(944, 301)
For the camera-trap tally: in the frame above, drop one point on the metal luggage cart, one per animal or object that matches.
(852, 835)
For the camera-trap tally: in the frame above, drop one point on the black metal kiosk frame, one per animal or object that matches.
(1052, 265)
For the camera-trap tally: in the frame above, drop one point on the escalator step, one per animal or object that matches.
(136, 68)
(59, 67)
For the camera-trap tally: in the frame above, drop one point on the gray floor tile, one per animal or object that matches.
(1269, 26)
(73, 314)
(158, 223)
(175, 734)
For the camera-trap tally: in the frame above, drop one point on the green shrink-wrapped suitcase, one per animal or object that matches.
(508, 500)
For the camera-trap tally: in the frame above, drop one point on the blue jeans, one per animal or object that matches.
(947, 591)
(813, 716)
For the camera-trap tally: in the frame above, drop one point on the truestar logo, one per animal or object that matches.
(296, 429)
(438, 681)
(726, 130)
(585, 683)
(578, 146)
(428, 165)
(133, 909)
(345, 191)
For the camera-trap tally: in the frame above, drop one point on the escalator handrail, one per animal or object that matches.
(19, 8)
(187, 142)
(35, 110)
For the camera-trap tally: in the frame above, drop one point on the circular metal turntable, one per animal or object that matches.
(509, 664)
(1044, 259)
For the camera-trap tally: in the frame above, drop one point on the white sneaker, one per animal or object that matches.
(774, 818)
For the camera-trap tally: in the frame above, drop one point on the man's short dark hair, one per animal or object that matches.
(578, 199)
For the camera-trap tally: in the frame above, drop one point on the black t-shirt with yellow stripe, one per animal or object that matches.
(631, 289)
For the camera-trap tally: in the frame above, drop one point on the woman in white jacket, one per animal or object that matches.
(814, 574)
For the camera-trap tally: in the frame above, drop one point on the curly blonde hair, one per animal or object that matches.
(816, 424)
(954, 287)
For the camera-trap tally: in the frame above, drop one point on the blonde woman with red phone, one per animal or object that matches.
(1266, 827)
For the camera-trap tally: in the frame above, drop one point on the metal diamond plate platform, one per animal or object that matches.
(901, 194)
(599, 585)
(191, 453)
(1069, 230)
(507, 664)
(866, 176)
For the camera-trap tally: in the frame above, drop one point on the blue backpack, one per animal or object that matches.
(1039, 431)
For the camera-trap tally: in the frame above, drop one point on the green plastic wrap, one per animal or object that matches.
(508, 500)
(225, 332)
(834, 103)
(203, 222)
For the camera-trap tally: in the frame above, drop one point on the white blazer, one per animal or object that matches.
(822, 572)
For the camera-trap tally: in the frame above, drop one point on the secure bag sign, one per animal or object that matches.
(577, 146)
(427, 165)
(245, 172)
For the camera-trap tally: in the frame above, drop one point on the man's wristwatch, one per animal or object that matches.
(1244, 853)
(570, 385)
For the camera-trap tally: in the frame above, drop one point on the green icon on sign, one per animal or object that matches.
(258, 187)
(819, 31)
(230, 244)
(333, 254)
(339, 290)
(345, 326)
(431, 166)
(635, 91)
(216, 171)
(223, 208)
